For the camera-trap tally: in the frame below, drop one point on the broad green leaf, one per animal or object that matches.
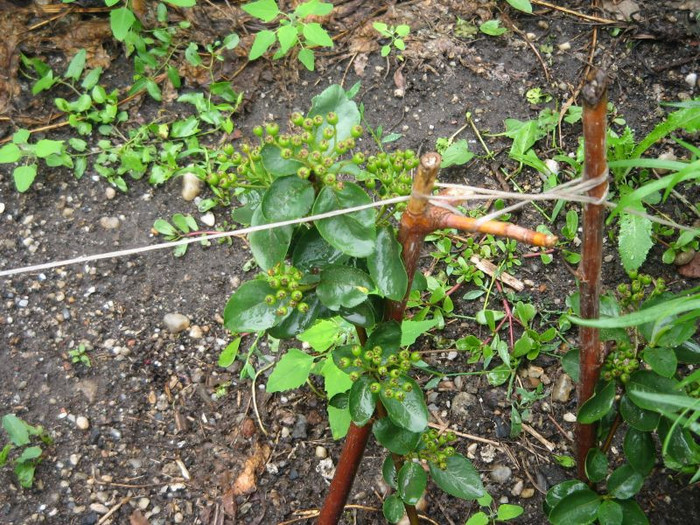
(181, 3)
(121, 20)
(634, 240)
(313, 7)
(625, 482)
(524, 135)
(632, 514)
(639, 418)
(570, 364)
(335, 99)
(412, 330)
(394, 438)
(596, 465)
(263, 40)
(46, 147)
(352, 233)
(343, 286)
(364, 314)
(312, 252)
(362, 401)
(459, 479)
(521, 5)
(307, 58)
(508, 512)
(24, 176)
(164, 227)
(579, 507)
(610, 513)
(316, 35)
(663, 361)
(277, 166)
(287, 198)
(411, 413)
(386, 266)
(291, 371)
(181, 129)
(268, 246)
(324, 334)
(393, 508)
(335, 381)
(287, 36)
(10, 153)
(247, 311)
(599, 405)
(28, 454)
(679, 447)
(492, 28)
(389, 471)
(402, 30)
(25, 473)
(92, 78)
(387, 335)
(479, 518)
(411, 482)
(560, 491)
(265, 10)
(181, 223)
(339, 421)
(639, 450)
(76, 66)
(16, 429)
(231, 40)
(228, 355)
(499, 374)
(643, 381)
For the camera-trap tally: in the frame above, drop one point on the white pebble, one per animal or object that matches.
(82, 422)
(321, 452)
(691, 79)
(109, 223)
(208, 219)
(175, 322)
(569, 417)
(99, 508)
(110, 193)
(191, 186)
(564, 46)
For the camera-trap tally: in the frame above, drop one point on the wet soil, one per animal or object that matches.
(168, 431)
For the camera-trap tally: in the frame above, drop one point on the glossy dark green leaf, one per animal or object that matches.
(340, 401)
(639, 418)
(364, 314)
(343, 286)
(570, 364)
(632, 514)
(296, 322)
(579, 507)
(624, 482)
(411, 413)
(459, 479)
(639, 450)
(596, 465)
(276, 165)
(362, 401)
(288, 198)
(345, 352)
(247, 311)
(335, 99)
(688, 352)
(387, 335)
(311, 251)
(412, 480)
(610, 513)
(386, 266)
(679, 448)
(663, 361)
(394, 438)
(598, 405)
(268, 246)
(389, 471)
(560, 491)
(648, 381)
(393, 508)
(352, 233)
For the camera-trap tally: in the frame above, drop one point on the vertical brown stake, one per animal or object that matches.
(416, 223)
(595, 165)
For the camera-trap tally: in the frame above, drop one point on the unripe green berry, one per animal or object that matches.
(382, 371)
(281, 294)
(303, 308)
(272, 128)
(356, 350)
(296, 295)
(407, 387)
(307, 124)
(375, 388)
(297, 118)
(332, 118)
(344, 362)
(270, 300)
(415, 357)
(303, 172)
(356, 131)
(354, 376)
(286, 153)
(228, 149)
(400, 396)
(328, 133)
(274, 283)
(388, 393)
(395, 372)
(258, 131)
(282, 310)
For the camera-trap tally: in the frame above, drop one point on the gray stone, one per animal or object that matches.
(462, 404)
(109, 223)
(501, 474)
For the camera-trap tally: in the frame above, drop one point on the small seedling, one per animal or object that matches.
(488, 515)
(492, 28)
(79, 355)
(292, 31)
(21, 434)
(396, 34)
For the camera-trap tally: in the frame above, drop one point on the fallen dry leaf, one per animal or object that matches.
(692, 269)
(137, 518)
(400, 83)
(245, 483)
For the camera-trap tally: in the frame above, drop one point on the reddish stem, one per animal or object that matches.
(595, 165)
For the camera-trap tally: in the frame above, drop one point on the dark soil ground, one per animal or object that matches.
(160, 446)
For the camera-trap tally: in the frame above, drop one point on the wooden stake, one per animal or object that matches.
(595, 165)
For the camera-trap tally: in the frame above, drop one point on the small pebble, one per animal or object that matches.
(691, 79)
(143, 503)
(196, 332)
(99, 508)
(570, 417)
(109, 223)
(527, 493)
(684, 257)
(110, 193)
(321, 452)
(517, 488)
(561, 391)
(176, 322)
(191, 186)
(82, 423)
(208, 219)
(564, 46)
(501, 473)
(2, 207)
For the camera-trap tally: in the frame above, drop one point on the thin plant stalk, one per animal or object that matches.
(595, 165)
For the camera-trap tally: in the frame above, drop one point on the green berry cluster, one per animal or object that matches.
(436, 447)
(284, 279)
(620, 363)
(385, 369)
(392, 170)
(641, 287)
